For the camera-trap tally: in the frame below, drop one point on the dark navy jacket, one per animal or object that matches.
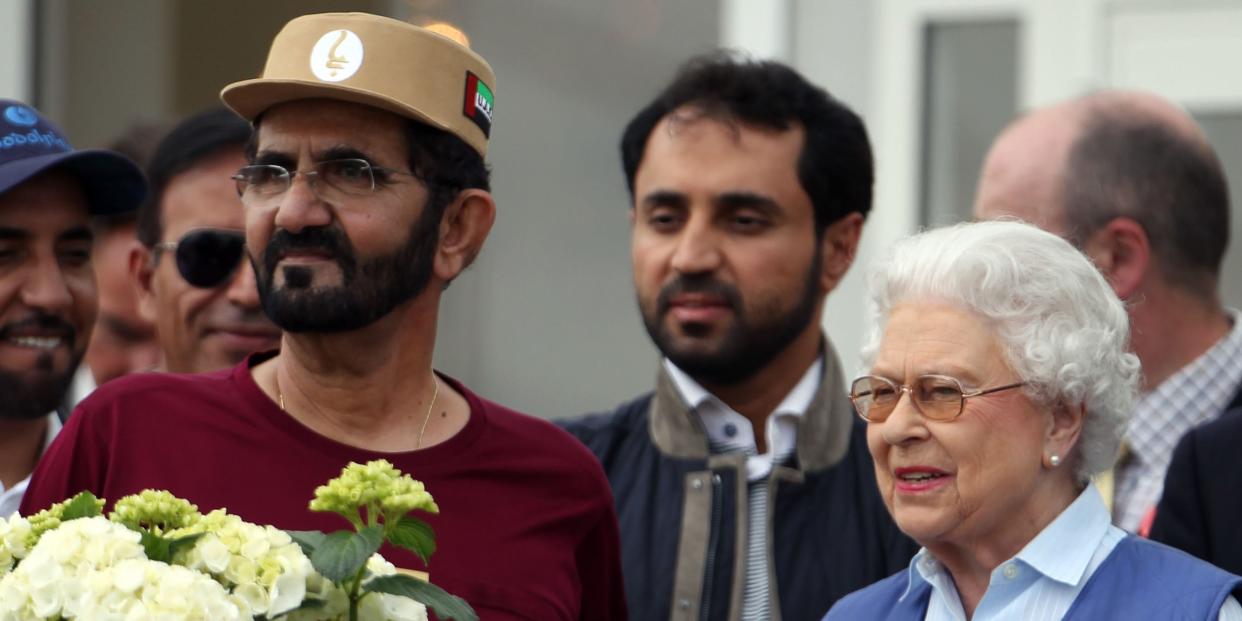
(1201, 509)
(683, 511)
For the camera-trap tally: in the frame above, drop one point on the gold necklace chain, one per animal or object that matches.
(418, 444)
(434, 394)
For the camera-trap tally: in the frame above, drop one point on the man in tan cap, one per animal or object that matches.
(366, 195)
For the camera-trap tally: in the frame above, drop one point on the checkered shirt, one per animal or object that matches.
(1197, 393)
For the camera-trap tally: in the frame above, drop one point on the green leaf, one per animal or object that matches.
(162, 548)
(84, 505)
(182, 543)
(307, 604)
(342, 554)
(416, 536)
(445, 606)
(308, 540)
(157, 548)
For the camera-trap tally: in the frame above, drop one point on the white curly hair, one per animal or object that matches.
(1061, 327)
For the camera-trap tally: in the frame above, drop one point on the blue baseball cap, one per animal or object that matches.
(30, 144)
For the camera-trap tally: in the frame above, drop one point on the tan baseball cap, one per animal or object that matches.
(376, 61)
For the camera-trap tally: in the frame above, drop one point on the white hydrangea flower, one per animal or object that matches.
(383, 607)
(264, 569)
(146, 589)
(94, 568)
(336, 602)
(374, 607)
(14, 535)
(51, 576)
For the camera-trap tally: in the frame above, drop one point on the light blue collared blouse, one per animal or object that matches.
(1045, 578)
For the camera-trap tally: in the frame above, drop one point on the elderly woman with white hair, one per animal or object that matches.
(999, 384)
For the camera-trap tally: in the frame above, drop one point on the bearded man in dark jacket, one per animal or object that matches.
(743, 483)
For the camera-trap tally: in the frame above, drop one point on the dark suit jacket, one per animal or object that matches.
(1201, 510)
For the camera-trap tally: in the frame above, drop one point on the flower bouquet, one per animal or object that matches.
(156, 557)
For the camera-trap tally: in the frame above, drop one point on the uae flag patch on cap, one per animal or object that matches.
(478, 103)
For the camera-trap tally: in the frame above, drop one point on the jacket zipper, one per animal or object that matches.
(713, 540)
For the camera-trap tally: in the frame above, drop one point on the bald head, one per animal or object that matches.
(1073, 167)
(1140, 106)
(1023, 174)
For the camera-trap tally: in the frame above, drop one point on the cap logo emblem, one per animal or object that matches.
(478, 103)
(336, 56)
(21, 116)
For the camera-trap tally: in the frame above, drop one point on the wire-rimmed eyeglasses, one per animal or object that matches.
(330, 180)
(937, 397)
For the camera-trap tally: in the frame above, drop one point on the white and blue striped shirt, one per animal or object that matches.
(730, 432)
(1042, 581)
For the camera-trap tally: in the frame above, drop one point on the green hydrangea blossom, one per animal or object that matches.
(156, 512)
(365, 493)
(51, 517)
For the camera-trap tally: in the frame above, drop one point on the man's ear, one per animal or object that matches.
(463, 229)
(1122, 252)
(142, 277)
(838, 247)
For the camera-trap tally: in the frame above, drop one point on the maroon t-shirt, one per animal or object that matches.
(526, 528)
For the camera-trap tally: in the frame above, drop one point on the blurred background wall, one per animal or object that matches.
(546, 320)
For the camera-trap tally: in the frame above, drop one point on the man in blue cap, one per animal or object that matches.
(48, 194)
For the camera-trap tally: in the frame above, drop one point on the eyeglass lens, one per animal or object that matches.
(335, 178)
(208, 257)
(938, 398)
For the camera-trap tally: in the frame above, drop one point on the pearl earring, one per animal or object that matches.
(1055, 460)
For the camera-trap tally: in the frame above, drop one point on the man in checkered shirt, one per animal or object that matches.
(1131, 180)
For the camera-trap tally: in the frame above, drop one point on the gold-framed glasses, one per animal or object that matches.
(937, 397)
(330, 180)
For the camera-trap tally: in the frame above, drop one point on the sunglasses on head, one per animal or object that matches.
(206, 258)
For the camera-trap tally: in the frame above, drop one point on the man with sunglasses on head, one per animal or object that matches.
(194, 283)
(49, 193)
(365, 196)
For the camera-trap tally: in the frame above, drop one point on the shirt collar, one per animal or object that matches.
(795, 403)
(693, 393)
(83, 385)
(53, 428)
(725, 427)
(920, 567)
(1062, 551)
(1217, 360)
(1195, 394)
(799, 399)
